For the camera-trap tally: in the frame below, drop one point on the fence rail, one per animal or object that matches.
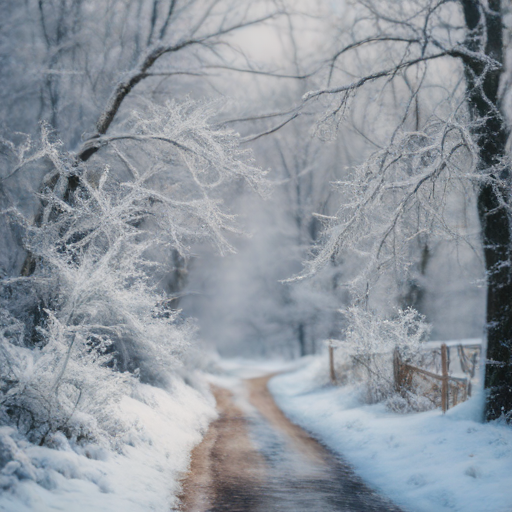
(402, 373)
(458, 388)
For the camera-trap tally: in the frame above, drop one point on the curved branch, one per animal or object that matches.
(137, 75)
(375, 76)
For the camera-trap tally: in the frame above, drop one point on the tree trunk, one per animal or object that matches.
(485, 38)
(496, 236)
(302, 339)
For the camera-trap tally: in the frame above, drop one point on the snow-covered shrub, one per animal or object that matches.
(14, 463)
(374, 340)
(91, 314)
(56, 388)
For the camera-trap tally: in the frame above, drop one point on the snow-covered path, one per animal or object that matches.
(254, 459)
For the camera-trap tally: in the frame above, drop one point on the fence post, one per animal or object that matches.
(444, 388)
(331, 363)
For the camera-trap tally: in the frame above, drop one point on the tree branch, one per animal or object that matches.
(375, 76)
(126, 86)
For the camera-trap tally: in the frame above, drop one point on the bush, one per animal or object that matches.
(373, 340)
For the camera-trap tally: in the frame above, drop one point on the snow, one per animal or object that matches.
(142, 476)
(453, 343)
(424, 462)
(244, 368)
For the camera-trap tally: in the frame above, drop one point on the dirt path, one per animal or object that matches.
(262, 462)
(225, 465)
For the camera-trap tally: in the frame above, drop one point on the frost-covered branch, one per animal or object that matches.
(93, 307)
(392, 190)
(138, 74)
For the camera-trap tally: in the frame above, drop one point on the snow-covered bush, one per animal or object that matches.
(373, 341)
(55, 388)
(91, 314)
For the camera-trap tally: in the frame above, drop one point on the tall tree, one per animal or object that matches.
(483, 61)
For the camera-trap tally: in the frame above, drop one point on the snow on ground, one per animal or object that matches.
(242, 368)
(425, 462)
(143, 477)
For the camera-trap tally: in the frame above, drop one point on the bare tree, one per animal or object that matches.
(448, 57)
(130, 45)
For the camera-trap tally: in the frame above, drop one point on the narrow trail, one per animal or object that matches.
(262, 462)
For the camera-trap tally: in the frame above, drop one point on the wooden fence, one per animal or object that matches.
(403, 373)
(456, 388)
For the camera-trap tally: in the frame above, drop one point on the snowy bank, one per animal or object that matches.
(424, 462)
(142, 476)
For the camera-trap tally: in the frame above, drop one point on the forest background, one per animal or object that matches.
(142, 139)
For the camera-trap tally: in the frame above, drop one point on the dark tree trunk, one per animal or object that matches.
(301, 334)
(496, 235)
(485, 38)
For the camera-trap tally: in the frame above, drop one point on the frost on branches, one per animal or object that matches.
(415, 188)
(92, 309)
